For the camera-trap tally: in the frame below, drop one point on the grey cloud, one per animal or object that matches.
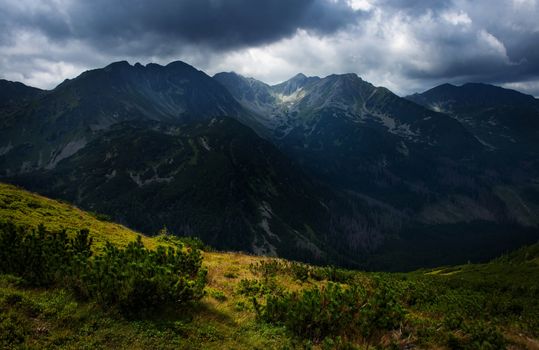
(460, 53)
(152, 25)
(24, 15)
(415, 7)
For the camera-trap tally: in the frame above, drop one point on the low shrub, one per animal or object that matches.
(251, 288)
(38, 256)
(133, 277)
(334, 310)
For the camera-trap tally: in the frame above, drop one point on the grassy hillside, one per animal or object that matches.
(260, 303)
(29, 209)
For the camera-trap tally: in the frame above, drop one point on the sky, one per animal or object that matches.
(405, 45)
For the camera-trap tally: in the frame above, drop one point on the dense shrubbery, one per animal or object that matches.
(132, 277)
(39, 256)
(136, 277)
(323, 314)
(461, 308)
(477, 335)
(334, 310)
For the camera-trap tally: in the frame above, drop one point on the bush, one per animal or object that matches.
(268, 268)
(301, 271)
(333, 274)
(40, 257)
(138, 278)
(183, 241)
(101, 217)
(133, 277)
(252, 288)
(478, 335)
(217, 294)
(13, 330)
(333, 310)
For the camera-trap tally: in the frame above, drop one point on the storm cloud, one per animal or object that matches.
(407, 45)
(133, 25)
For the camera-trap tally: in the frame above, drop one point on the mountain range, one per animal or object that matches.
(328, 169)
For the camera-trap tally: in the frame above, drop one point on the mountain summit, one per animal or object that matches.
(62, 121)
(502, 119)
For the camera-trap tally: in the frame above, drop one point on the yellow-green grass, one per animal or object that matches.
(29, 209)
(222, 323)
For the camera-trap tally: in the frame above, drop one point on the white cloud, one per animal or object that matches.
(532, 87)
(495, 45)
(457, 18)
(363, 5)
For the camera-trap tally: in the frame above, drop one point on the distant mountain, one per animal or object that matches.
(501, 119)
(64, 120)
(353, 134)
(12, 93)
(160, 145)
(13, 96)
(429, 166)
(327, 169)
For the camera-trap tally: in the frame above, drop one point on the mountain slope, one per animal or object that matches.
(428, 166)
(354, 135)
(300, 102)
(62, 121)
(354, 175)
(503, 119)
(491, 305)
(14, 93)
(224, 183)
(216, 179)
(29, 210)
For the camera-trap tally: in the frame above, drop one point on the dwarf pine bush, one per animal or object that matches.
(133, 277)
(333, 310)
(40, 257)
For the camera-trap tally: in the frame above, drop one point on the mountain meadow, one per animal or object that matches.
(73, 279)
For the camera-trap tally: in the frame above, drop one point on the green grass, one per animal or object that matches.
(472, 306)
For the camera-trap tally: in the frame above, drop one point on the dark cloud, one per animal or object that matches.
(153, 25)
(21, 15)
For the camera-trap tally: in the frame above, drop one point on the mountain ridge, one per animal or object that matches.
(311, 168)
(70, 115)
(503, 119)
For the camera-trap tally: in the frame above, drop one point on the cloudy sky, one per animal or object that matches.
(405, 45)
